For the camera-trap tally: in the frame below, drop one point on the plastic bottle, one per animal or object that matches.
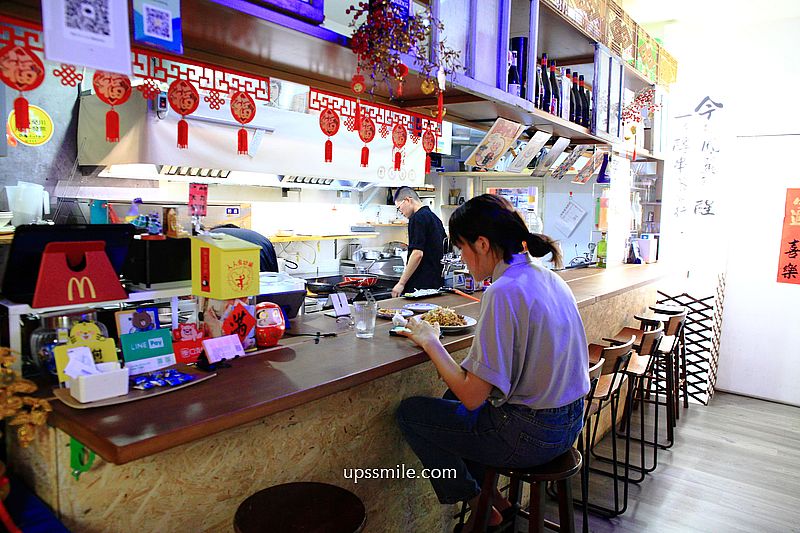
(602, 251)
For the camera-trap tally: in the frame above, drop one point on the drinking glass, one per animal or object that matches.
(364, 314)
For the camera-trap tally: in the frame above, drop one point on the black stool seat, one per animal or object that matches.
(305, 507)
(564, 466)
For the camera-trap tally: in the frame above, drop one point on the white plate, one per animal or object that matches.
(420, 307)
(458, 329)
(389, 313)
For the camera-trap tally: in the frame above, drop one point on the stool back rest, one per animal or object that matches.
(675, 323)
(650, 340)
(616, 357)
(594, 376)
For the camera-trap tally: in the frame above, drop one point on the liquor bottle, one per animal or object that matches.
(602, 251)
(576, 110)
(586, 111)
(537, 89)
(544, 101)
(566, 94)
(555, 92)
(514, 85)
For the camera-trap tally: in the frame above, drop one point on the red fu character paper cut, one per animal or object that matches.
(183, 99)
(329, 123)
(113, 89)
(243, 109)
(399, 138)
(366, 132)
(429, 145)
(22, 70)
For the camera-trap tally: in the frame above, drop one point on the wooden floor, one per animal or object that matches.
(735, 467)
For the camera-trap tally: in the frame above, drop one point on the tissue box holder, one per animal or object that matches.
(99, 386)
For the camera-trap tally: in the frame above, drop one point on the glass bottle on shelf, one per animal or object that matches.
(602, 251)
(514, 83)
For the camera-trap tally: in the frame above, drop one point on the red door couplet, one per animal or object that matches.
(75, 273)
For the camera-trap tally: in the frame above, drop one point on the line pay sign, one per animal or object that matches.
(146, 351)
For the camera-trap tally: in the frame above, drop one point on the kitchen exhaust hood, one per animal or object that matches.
(286, 149)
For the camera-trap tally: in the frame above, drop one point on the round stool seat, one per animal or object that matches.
(564, 466)
(306, 507)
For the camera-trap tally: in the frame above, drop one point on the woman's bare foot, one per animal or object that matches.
(494, 519)
(499, 501)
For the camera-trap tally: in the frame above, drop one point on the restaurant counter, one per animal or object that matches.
(302, 411)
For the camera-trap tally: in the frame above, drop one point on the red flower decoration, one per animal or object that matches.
(22, 70)
(113, 89)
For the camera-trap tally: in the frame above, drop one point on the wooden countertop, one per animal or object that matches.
(297, 372)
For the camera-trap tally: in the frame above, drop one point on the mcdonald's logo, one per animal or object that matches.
(81, 286)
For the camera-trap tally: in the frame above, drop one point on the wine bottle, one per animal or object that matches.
(566, 95)
(586, 111)
(576, 111)
(544, 101)
(514, 85)
(555, 92)
(537, 87)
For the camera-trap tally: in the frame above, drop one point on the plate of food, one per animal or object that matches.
(389, 313)
(420, 307)
(449, 321)
(422, 293)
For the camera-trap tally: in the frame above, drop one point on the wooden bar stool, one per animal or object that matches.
(559, 471)
(607, 394)
(305, 507)
(681, 384)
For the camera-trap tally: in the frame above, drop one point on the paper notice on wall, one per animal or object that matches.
(569, 218)
(565, 165)
(527, 154)
(551, 156)
(496, 143)
(90, 33)
(198, 199)
(591, 166)
(789, 258)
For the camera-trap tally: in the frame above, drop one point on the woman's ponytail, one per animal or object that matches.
(539, 245)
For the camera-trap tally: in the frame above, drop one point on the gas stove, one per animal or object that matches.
(382, 290)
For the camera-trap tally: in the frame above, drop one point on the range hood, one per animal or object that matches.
(286, 149)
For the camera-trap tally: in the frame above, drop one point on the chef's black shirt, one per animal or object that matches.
(426, 233)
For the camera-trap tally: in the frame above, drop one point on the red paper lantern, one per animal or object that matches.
(429, 145)
(399, 138)
(113, 89)
(243, 109)
(366, 132)
(183, 99)
(22, 70)
(329, 123)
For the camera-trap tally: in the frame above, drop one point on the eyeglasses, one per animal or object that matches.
(401, 203)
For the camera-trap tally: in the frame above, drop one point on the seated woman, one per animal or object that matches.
(517, 399)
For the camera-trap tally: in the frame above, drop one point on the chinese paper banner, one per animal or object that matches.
(789, 260)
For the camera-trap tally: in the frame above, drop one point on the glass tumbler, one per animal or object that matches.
(364, 314)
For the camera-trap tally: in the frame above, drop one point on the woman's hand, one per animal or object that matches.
(422, 333)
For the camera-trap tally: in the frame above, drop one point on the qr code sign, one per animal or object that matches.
(157, 22)
(90, 16)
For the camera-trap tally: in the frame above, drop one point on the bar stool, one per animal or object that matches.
(682, 383)
(559, 471)
(607, 394)
(305, 507)
(584, 442)
(639, 369)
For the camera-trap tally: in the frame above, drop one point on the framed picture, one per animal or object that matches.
(137, 320)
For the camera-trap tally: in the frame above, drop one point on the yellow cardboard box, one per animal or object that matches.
(224, 267)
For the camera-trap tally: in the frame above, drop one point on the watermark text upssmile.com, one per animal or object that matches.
(398, 472)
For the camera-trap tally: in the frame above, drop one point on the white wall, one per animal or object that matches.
(744, 55)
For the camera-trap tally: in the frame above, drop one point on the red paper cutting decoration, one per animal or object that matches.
(329, 124)
(367, 133)
(243, 109)
(429, 145)
(183, 99)
(22, 70)
(399, 138)
(113, 89)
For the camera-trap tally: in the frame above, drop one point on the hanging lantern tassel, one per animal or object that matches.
(357, 119)
(21, 119)
(112, 126)
(243, 141)
(427, 163)
(328, 151)
(440, 106)
(397, 159)
(365, 156)
(183, 134)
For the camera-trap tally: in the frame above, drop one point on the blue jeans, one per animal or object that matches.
(444, 434)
